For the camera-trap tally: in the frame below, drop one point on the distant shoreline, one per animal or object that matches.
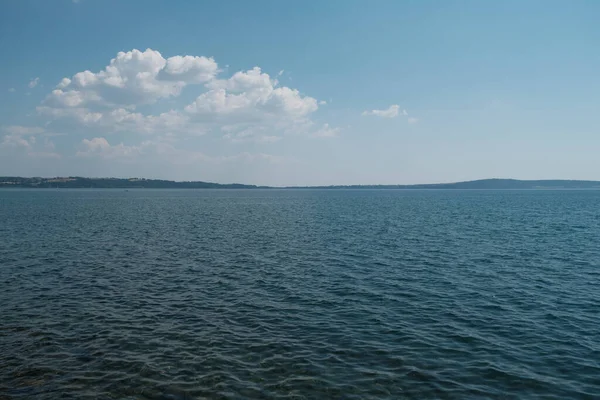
(139, 183)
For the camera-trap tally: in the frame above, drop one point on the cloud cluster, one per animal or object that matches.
(132, 78)
(249, 105)
(25, 138)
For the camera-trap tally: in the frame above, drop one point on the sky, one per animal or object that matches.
(300, 92)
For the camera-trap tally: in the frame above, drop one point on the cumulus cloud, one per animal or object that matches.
(189, 69)
(33, 83)
(247, 106)
(12, 90)
(412, 120)
(251, 103)
(63, 83)
(132, 78)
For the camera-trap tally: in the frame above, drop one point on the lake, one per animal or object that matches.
(299, 294)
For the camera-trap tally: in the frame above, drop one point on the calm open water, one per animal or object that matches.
(273, 294)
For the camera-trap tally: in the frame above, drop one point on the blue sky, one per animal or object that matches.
(294, 93)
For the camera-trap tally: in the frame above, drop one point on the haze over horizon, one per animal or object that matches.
(313, 93)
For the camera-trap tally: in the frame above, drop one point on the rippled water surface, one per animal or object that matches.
(273, 294)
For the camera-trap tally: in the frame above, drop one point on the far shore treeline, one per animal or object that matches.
(140, 183)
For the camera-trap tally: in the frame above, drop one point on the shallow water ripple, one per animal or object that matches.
(299, 294)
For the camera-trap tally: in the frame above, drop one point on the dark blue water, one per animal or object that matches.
(263, 294)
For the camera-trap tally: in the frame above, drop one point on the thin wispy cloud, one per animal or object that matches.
(391, 112)
(33, 83)
(326, 131)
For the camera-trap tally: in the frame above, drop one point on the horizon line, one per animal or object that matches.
(301, 186)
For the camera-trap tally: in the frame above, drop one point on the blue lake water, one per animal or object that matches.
(299, 294)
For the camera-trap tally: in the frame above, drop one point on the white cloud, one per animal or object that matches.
(250, 102)
(12, 90)
(21, 138)
(99, 146)
(18, 136)
(164, 123)
(63, 83)
(248, 106)
(83, 116)
(71, 99)
(392, 112)
(95, 144)
(123, 120)
(12, 140)
(281, 72)
(326, 132)
(33, 83)
(412, 120)
(189, 69)
(132, 78)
